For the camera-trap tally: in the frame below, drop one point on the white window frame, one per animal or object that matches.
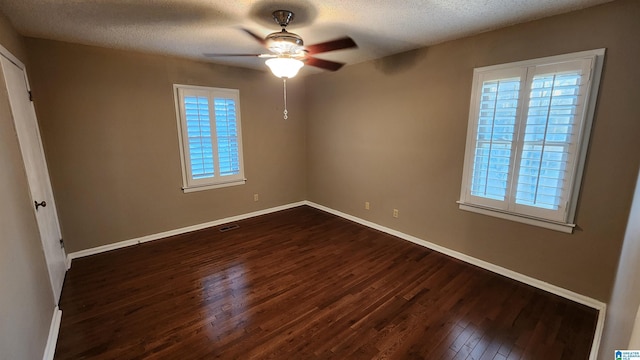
(189, 184)
(560, 220)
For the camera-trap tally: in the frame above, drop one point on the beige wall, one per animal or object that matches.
(26, 299)
(109, 130)
(393, 131)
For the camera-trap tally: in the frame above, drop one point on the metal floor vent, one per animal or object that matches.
(229, 227)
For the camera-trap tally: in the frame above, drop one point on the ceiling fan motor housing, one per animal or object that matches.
(285, 43)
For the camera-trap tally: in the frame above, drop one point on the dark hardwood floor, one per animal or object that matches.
(304, 284)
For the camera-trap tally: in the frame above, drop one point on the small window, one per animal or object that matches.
(210, 137)
(529, 125)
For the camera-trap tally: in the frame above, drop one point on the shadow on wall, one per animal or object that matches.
(400, 62)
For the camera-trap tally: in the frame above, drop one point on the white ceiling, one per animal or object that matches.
(189, 28)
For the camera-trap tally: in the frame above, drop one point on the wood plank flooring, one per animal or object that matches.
(304, 284)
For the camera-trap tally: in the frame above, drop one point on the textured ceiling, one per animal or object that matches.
(189, 28)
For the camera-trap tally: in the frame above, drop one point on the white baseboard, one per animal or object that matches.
(567, 294)
(54, 329)
(164, 234)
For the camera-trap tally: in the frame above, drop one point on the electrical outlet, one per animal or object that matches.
(395, 213)
(256, 197)
(366, 205)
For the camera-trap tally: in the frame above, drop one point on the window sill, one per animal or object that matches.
(552, 225)
(213, 186)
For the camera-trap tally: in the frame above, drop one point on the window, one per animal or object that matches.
(529, 125)
(210, 137)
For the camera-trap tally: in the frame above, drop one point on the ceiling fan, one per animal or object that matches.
(287, 51)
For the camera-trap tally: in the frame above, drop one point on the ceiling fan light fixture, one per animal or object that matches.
(284, 67)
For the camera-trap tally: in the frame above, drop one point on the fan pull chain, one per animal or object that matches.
(284, 82)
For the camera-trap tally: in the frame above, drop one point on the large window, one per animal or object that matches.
(210, 137)
(529, 125)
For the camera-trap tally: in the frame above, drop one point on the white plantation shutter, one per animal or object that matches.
(210, 137)
(551, 134)
(525, 140)
(497, 111)
(199, 136)
(496, 123)
(227, 134)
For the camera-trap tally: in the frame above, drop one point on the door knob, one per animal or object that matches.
(43, 204)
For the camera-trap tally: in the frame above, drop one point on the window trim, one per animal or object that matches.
(568, 225)
(216, 181)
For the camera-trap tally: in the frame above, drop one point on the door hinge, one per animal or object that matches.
(30, 96)
(61, 243)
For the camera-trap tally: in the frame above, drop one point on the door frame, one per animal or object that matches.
(56, 292)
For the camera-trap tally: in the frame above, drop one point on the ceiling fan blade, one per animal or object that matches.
(323, 64)
(337, 44)
(257, 37)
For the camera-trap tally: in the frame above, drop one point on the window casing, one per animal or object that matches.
(210, 137)
(529, 125)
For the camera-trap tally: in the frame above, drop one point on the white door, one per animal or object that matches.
(26, 124)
